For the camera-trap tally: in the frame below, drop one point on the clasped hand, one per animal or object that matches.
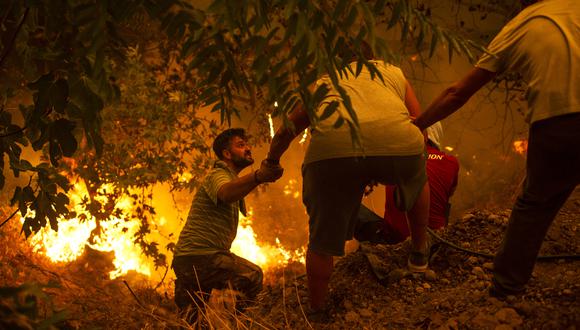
(269, 172)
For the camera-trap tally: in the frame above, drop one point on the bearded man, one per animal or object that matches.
(202, 259)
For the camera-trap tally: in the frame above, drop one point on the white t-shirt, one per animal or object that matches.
(543, 44)
(385, 125)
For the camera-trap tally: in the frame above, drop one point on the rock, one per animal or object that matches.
(426, 286)
(472, 259)
(352, 317)
(477, 271)
(467, 217)
(495, 302)
(524, 308)
(420, 289)
(484, 321)
(567, 292)
(445, 281)
(430, 275)
(347, 305)
(451, 324)
(488, 265)
(509, 316)
(397, 274)
(570, 273)
(480, 285)
(445, 305)
(364, 312)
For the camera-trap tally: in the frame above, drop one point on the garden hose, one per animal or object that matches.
(491, 256)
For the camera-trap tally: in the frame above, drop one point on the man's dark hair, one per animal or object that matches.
(223, 140)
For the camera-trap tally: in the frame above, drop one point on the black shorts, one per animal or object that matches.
(333, 190)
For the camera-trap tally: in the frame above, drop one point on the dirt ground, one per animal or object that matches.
(454, 294)
(382, 296)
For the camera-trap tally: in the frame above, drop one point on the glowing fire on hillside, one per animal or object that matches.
(521, 146)
(117, 236)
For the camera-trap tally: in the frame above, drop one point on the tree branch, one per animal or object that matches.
(11, 44)
(10, 217)
(13, 133)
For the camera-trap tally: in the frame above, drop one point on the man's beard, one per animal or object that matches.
(242, 162)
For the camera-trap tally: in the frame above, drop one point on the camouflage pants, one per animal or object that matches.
(198, 275)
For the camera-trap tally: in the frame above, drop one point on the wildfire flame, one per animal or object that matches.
(264, 255)
(304, 136)
(521, 146)
(117, 236)
(271, 122)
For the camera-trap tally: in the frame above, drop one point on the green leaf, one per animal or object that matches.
(58, 95)
(339, 8)
(352, 15)
(434, 40)
(339, 122)
(379, 6)
(396, 14)
(329, 110)
(466, 50)
(16, 196)
(61, 133)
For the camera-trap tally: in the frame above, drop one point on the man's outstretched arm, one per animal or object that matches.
(238, 188)
(284, 136)
(454, 97)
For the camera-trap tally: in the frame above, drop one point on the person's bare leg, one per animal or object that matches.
(418, 218)
(318, 268)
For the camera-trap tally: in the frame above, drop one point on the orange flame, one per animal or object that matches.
(117, 235)
(521, 146)
(271, 122)
(263, 255)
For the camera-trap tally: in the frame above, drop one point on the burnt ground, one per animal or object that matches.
(451, 296)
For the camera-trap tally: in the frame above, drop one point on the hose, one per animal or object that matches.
(491, 256)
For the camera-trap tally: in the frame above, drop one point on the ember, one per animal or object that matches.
(521, 146)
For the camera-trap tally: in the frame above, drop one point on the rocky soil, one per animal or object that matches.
(369, 289)
(453, 295)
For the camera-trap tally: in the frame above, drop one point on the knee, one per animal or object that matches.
(257, 277)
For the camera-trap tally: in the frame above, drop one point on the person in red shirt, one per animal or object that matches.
(442, 172)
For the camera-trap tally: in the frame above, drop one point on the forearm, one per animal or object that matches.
(284, 136)
(238, 188)
(411, 102)
(280, 143)
(444, 105)
(454, 97)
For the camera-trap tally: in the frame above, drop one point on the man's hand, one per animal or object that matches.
(269, 172)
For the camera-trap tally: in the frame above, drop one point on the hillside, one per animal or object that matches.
(381, 296)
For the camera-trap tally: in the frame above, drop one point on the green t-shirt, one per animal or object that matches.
(211, 225)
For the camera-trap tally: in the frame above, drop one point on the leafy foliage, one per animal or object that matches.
(19, 308)
(97, 97)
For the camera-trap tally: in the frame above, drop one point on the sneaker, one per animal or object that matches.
(501, 293)
(418, 261)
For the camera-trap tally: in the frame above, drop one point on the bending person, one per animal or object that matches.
(335, 172)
